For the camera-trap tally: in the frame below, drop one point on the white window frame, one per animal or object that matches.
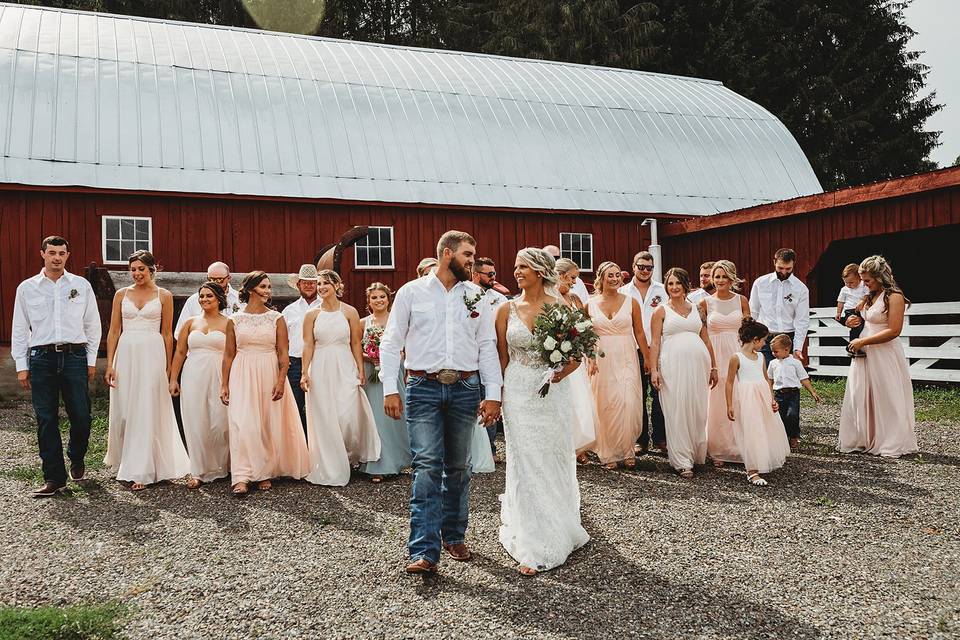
(392, 247)
(583, 267)
(103, 236)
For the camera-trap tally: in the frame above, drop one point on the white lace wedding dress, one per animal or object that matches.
(540, 506)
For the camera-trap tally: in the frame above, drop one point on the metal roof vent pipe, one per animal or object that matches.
(654, 249)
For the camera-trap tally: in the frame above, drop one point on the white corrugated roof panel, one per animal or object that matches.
(130, 103)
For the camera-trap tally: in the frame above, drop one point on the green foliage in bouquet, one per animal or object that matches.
(563, 334)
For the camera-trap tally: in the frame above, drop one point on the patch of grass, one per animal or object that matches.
(824, 501)
(96, 448)
(31, 475)
(78, 622)
(932, 404)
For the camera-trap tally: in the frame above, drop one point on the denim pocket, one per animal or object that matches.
(472, 383)
(413, 381)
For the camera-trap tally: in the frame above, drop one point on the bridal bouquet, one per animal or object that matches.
(371, 348)
(563, 334)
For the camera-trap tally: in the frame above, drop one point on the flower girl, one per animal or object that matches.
(757, 427)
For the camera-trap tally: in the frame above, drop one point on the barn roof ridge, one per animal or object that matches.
(124, 102)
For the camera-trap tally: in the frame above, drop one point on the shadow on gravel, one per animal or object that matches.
(600, 592)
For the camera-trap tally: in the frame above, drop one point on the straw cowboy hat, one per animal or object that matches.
(307, 272)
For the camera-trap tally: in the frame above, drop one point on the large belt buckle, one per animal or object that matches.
(447, 376)
(58, 348)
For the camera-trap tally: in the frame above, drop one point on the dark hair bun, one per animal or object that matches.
(751, 330)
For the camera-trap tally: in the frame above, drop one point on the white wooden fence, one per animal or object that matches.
(932, 343)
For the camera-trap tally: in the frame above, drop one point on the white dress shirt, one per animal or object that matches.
(695, 296)
(851, 297)
(494, 299)
(294, 314)
(782, 305)
(656, 295)
(192, 308)
(580, 290)
(786, 373)
(48, 312)
(434, 328)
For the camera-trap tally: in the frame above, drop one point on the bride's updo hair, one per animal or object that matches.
(541, 262)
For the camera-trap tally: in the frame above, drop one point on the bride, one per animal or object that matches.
(540, 507)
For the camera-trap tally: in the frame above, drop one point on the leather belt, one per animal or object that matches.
(63, 347)
(444, 376)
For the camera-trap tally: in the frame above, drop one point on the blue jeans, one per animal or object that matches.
(441, 419)
(789, 402)
(293, 375)
(53, 375)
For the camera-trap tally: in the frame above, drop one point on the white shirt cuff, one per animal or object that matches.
(492, 393)
(22, 365)
(390, 387)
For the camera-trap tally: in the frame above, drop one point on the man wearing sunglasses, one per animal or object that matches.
(650, 294)
(217, 272)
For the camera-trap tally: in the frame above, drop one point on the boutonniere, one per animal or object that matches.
(471, 304)
(788, 297)
(74, 293)
(235, 307)
(655, 302)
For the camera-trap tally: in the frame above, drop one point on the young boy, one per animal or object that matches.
(788, 375)
(850, 296)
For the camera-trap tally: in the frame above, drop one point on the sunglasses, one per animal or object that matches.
(489, 274)
(644, 267)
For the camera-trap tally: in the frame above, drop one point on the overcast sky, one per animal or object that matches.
(937, 23)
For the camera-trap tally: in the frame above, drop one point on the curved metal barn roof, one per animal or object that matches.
(130, 103)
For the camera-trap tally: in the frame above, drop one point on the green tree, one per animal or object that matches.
(839, 75)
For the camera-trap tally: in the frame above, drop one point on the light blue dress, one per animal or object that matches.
(394, 438)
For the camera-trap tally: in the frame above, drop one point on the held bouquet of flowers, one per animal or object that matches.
(563, 334)
(370, 343)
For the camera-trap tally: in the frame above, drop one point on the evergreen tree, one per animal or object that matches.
(838, 73)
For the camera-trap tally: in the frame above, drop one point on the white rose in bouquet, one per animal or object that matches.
(555, 357)
(549, 343)
(583, 326)
(565, 346)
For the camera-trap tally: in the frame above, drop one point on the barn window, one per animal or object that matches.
(579, 248)
(375, 251)
(122, 235)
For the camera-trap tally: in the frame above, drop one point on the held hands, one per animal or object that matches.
(225, 394)
(392, 406)
(489, 411)
(853, 321)
(23, 377)
(110, 377)
(174, 388)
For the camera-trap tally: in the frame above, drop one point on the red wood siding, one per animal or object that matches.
(277, 236)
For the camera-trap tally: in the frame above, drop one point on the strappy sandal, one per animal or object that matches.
(612, 466)
(582, 458)
(630, 463)
(686, 474)
(241, 489)
(756, 480)
(264, 485)
(526, 571)
(137, 486)
(193, 483)
(376, 479)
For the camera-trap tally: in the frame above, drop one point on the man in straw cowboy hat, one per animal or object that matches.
(305, 282)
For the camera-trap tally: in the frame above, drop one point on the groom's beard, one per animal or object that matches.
(459, 270)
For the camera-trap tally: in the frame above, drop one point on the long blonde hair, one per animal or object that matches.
(601, 272)
(731, 270)
(879, 269)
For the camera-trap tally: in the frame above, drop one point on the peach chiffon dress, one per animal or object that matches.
(724, 318)
(877, 415)
(616, 385)
(758, 429)
(266, 438)
(205, 423)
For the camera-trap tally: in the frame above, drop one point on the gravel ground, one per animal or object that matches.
(837, 547)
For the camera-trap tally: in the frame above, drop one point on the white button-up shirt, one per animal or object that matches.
(192, 308)
(48, 312)
(782, 305)
(580, 290)
(786, 373)
(293, 314)
(851, 297)
(434, 328)
(656, 295)
(695, 296)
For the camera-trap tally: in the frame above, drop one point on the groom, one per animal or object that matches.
(451, 348)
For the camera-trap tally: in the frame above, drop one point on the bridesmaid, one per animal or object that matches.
(616, 377)
(266, 438)
(394, 438)
(684, 371)
(205, 423)
(877, 414)
(339, 418)
(724, 310)
(581, 396)
(144, 443)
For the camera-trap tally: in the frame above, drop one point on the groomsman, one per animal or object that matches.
(650, 294)
(578, 287)
(441, 324)
(780, 301)
(706, 284)
(306, 283)
(485, 277)
(56, 334)
(217, 272)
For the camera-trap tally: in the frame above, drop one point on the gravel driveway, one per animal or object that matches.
(837, 547)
